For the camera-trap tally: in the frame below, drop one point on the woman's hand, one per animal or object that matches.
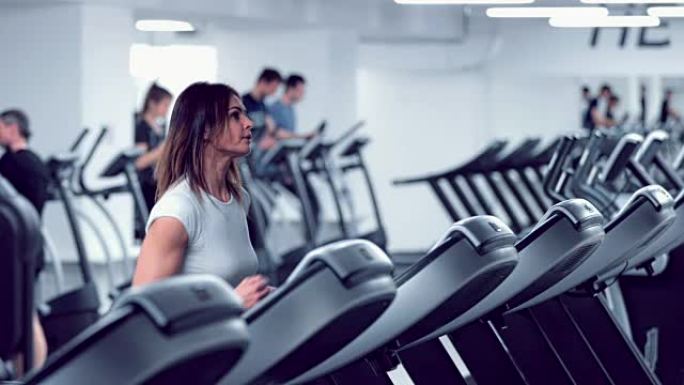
(252, 289)
(267, 142)
(149, 158)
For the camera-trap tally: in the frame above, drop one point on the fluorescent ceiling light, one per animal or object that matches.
(464, 2)
(632, 1)
(163, 26)
(547, 11)
(666, 11)
(604, 22)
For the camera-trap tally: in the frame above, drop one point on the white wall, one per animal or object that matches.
(41, 74)
(40, 70)
(420, 122)
(527, 106)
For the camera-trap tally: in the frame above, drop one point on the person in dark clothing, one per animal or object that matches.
(611, 119)
(586, 112)
(666, 110)
(264, 128)
(19, 165)
(642, 105)
(591, 115)
(594, 119)
(149, 135)
(30, 177)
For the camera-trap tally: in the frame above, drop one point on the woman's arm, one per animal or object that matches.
(162, 251)
(149, 158)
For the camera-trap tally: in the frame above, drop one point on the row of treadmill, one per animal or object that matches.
(516, 298)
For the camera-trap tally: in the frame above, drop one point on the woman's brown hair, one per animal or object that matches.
(201, 111)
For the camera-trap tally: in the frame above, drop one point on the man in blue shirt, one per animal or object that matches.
(283, 112)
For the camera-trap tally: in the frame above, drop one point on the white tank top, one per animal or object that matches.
(218, 239)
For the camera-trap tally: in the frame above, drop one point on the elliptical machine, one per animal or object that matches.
(70, 313)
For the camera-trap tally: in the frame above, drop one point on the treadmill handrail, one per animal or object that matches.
(483, 233)
(521, 155)
(626, 148)
(346, 266)
(347, 134)
(599, 144)
(86, 161)
(485, 156)
(651, 145)
(117, 166)
(369, 257)
(312, 148)
(60, 161)
(278, 151)
(579, 211)
(655, 194)
(649, 155)
(79, 139)
(105, 191)
(556, 165)
(201, 293)
(317, 145)
(544, 156)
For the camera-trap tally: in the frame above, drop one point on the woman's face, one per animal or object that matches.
(161, 108)
(236, 138)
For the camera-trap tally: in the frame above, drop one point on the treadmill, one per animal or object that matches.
(286, 152)
(649, 155)
(493, 171)
(335, 293)
(316, 157)
(538, 333)
(486, 157)
(68, 314)
(351, 157)
(647, 214)
(567, 235)
(122, 164)
(523, 154)
(578, 331)
(564, 239)
(537, 164)
(156, 334)
(651, 289)
(473, 258)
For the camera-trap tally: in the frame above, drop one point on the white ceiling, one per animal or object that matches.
(373, 19)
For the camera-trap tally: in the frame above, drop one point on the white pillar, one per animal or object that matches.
(631, 104)
(655, 98)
